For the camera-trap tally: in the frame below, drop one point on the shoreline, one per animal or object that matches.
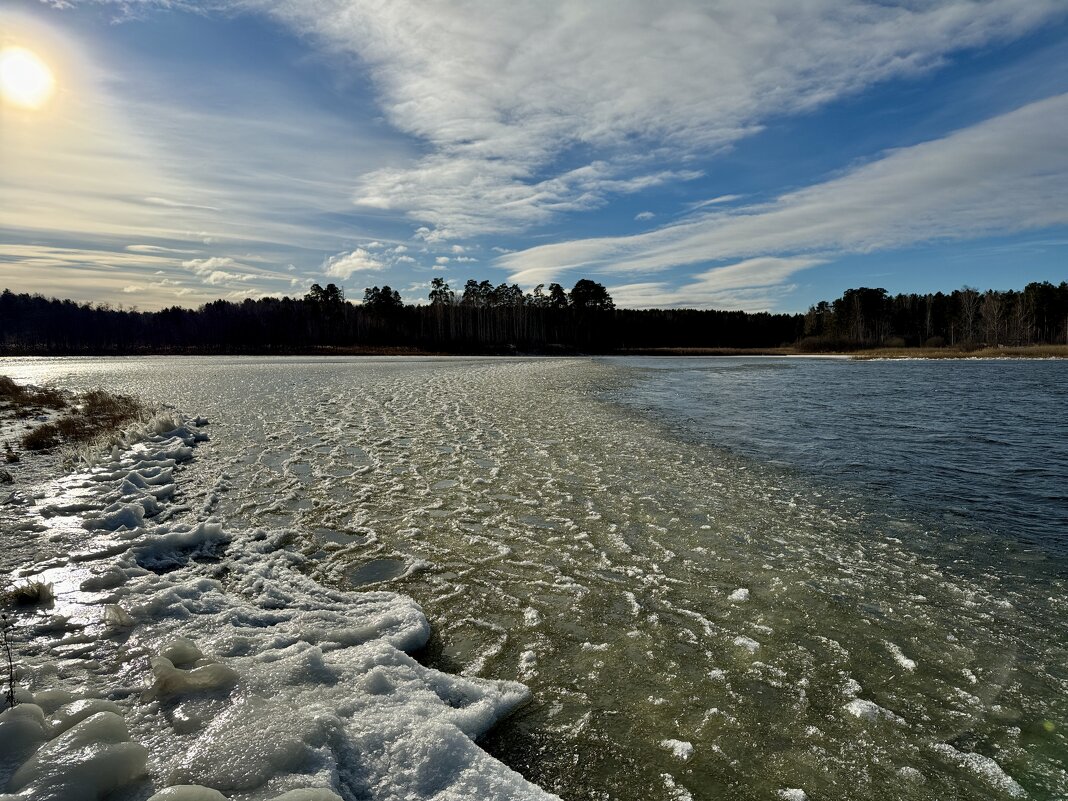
(864, 354)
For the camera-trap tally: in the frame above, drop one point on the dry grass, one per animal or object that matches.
(29, 593)
(1022, 352)
(85, 418)
(27, 401)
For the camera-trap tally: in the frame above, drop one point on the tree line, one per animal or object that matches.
(1037, 314)
(485, 318)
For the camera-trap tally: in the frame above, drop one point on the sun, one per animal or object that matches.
(25, 80)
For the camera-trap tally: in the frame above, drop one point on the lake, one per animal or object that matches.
(720, 578)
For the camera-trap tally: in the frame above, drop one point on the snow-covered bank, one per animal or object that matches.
(183, 660)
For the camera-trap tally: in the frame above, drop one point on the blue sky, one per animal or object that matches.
(763, 155)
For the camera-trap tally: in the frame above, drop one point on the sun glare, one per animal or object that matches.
(25, 80)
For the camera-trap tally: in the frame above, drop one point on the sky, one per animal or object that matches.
(762, 155)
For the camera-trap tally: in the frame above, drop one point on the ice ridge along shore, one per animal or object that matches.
(184, 662)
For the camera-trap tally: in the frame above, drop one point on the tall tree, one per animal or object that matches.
(440, 293)
(587, 294)
(384, 299)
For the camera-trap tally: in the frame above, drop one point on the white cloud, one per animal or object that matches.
(158, 249)
(644, 215)
(1009, 173)
(343, 265)
(713, 201)
(660, 295)
(749, 285)
(498, 92)
(224, 271)
(177, 204)
(208, 265)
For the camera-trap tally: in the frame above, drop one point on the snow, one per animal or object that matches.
(740, 595)
(792, 794)
(237, 672)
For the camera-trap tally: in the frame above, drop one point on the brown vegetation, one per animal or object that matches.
(29, 400)
(89, 416)
(1023, 352)
(83, 417)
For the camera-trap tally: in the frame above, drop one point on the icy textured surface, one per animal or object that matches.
(229, 669)
(586, 549)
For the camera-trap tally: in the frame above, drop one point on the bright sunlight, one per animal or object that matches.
(25, 80)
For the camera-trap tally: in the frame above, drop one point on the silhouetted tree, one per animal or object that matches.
(332, 294)
(501, 319)
(440, 293)
(557, 296)
(384, 299)
(587, 294)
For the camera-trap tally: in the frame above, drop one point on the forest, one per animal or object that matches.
(486, 318)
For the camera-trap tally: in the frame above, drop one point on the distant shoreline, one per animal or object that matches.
(1024, 352)
(867, 354)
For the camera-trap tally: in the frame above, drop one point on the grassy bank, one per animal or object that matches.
(1024, 352)
(41, 418)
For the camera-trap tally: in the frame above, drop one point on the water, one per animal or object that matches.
(579, 526)
(981, 443)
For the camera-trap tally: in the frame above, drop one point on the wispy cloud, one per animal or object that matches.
(750, 285)
(499, 91)
(714, 201)
(1007, 174)
(112, 164)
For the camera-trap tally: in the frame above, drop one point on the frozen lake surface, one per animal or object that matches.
(691, 621)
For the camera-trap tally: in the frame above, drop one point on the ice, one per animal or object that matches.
(493, 472)
(109, 579)
(170, 550)
(267, 683)
(195, 792)
(675, 790)
(748, 643)
(188, 792)
(175, 681)
(983, 767)
(681, 749)
(870, 711)
(910, 774)
(22, 730)
(528, 661)
(900, 658)
(86, 762)
(74, 713)
(116, 617)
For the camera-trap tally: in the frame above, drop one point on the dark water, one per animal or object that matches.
(981, 444)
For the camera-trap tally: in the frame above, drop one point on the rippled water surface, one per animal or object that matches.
(837, 602)
(981, 443)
